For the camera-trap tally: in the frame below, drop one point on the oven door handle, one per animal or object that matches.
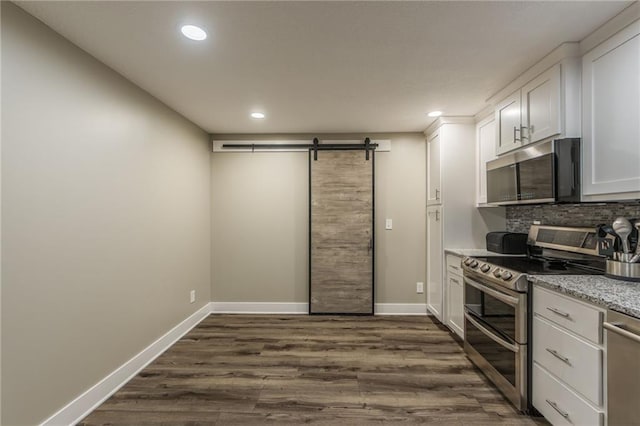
(509, 300)
(492, 336)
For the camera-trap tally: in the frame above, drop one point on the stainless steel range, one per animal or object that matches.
(497, 302)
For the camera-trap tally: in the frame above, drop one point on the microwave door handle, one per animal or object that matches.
(492, 336)
(505, 298)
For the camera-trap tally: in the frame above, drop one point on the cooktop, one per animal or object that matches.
(544, 266)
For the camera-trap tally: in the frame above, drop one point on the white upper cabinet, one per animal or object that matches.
(611, 118)
(547, 106)
(485, 151)
(508, 128)
(541, 102)
(434, 187)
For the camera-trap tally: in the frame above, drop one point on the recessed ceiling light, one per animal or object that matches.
(257, 115)
(435, 114)
(194, 33)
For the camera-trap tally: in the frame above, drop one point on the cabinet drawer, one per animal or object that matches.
(573, 315)
(558, 404)
(575, 362)
(454, 264)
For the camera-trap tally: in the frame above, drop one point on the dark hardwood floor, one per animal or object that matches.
(298, 369)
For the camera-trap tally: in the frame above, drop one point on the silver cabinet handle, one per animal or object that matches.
(437, 194)
(515, 129)
(557, 355)
(616, 327)
(555, 407)
(437, 215)
(559, 312)
(454, 280)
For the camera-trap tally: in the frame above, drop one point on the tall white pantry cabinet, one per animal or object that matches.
(451, 201)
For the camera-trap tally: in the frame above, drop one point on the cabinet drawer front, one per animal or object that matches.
(453, 264)
(573, 315)
(558, 404)
(575, 362)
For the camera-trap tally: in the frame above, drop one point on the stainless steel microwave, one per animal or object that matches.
(542, 173)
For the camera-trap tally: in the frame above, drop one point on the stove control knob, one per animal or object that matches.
(485, 267)
(467, 261)
(497, 273)
(474, 264)
(506, 275)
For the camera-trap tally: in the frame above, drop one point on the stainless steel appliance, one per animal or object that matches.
(623, 368)
(497, 302)
(543, 173)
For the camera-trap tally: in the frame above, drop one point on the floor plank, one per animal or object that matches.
(320, 370)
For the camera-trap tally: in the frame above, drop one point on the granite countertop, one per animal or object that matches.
(621, 296)
(476, 252)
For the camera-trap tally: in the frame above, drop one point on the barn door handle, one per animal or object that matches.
(370, 246)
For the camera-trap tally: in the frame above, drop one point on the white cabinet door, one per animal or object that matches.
(486, 151)
(434, 195)
(508, 127)
(455, 304)
(611, 118)
(434, 262)
(541, 103)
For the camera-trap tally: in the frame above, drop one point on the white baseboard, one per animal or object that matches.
(303, 308)
(259, 308)
(84, 404)
(401, 309)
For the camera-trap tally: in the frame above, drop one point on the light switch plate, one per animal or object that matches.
(192, 296)
(388, 224)
(419, 288)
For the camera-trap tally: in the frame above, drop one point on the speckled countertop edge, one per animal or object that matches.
(621, 296)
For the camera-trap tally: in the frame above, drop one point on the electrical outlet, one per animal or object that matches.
(192, 296)
(420, 288)
(388, 224)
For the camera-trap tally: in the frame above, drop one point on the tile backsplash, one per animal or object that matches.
(519, 218)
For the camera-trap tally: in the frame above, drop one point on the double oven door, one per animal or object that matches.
(496, 336)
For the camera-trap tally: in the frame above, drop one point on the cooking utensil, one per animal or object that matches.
(604, 246)
(623, 228)
(636, 256)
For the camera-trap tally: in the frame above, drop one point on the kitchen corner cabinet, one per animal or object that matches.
(434, 188)
(611, 118)
(545, 107)
(568, 359)
(452, 215)
(485, 151)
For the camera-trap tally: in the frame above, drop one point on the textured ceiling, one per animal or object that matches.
(322, 66)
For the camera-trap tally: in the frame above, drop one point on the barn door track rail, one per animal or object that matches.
(315, 146)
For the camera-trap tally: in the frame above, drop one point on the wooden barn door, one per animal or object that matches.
(341, 218)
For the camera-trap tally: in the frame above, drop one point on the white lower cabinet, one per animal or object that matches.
(454, 316)
(568, 359)
(558, 404)
(434, 262)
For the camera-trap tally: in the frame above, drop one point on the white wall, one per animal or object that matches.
(260, 222)
(105, 219)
